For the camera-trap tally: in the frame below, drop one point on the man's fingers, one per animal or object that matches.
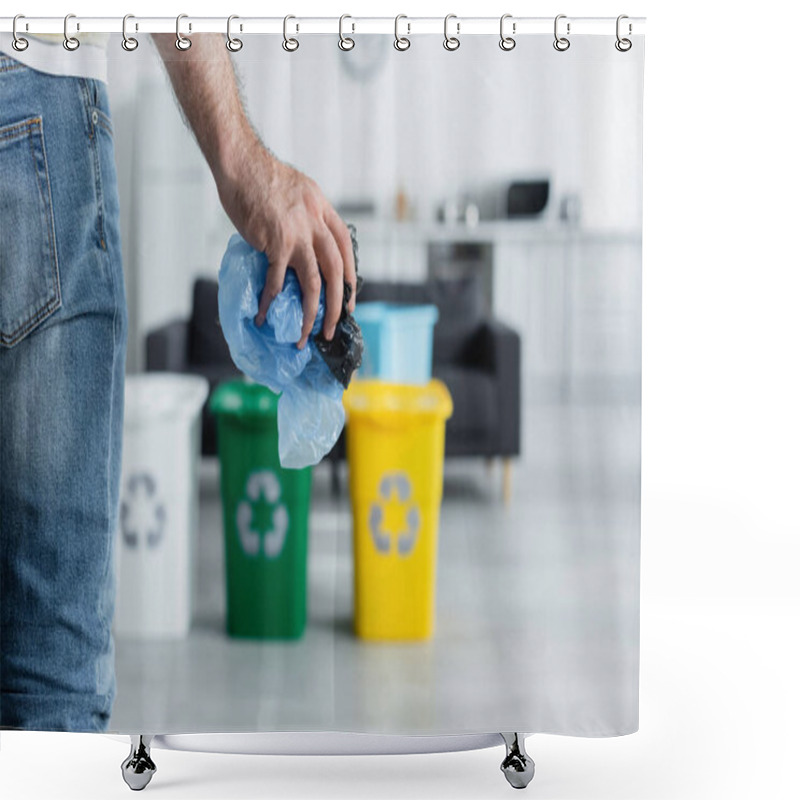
(305, 264)
(342, 236)
(330, 262)
(272, 288)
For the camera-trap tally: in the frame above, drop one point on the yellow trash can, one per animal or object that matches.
(395, 452)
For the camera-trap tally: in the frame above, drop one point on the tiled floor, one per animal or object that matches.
(537, 609)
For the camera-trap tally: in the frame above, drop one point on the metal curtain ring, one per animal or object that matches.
(401, 42)
(289, 44)
(345, 42)
(70, 42)
(561, 43)
(623, 45)
(181, 42)
(234, 45)
(451, 42)
(19, 43)
(128, 42)
(507, 42)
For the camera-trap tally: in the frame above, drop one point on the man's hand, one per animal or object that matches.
(283, 213)
(277, 209)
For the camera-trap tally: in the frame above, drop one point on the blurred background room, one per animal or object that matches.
(524, 231)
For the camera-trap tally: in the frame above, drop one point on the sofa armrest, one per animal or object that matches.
(497, 348)
(167, 348)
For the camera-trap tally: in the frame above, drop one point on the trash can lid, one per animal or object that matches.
(158, 395)
(380, 311)
(398, 402)
(245, 400)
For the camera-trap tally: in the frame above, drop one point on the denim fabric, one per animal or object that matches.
(63, 328)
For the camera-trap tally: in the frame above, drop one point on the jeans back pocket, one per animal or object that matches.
(30, 288)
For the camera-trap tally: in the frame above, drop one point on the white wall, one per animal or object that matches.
(437, 123)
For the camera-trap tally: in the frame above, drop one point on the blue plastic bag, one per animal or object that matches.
(310, 412)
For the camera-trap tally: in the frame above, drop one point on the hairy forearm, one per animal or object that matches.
(205, 86)
(276, 208)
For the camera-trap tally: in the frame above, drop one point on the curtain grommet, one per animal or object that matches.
(507, 43)
(561, 43)
(70, 43)
(290, 44)
(623, 44)
(181, 42)
(19, 43)
(129, 43)
(401, 43)
(451, 43)
(233, 44)
(346, 43)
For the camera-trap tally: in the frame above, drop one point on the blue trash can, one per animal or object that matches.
(398, 341)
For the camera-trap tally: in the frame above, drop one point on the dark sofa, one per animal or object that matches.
(198, 346)
(475, 355)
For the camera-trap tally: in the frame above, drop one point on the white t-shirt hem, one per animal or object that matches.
(88, 61)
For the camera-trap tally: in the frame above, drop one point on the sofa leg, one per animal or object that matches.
(506, 481)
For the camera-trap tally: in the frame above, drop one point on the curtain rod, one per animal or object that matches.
(462, 26)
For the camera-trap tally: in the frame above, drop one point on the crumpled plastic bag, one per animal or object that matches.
(343, 352)
(310, 411)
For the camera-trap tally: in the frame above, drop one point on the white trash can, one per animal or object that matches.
(158, 505)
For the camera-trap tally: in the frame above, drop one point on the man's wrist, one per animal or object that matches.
(235, 155)
(230, 154)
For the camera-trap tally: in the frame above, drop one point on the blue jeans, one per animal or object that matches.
(63, 330)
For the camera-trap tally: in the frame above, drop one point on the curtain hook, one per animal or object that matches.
(507, 42)
(181, 42)
(289, 44)
(451, 42)
(623, 45)
(401, 42)
(561, 43)
(19, 43)
(128, 42)
(346, 42)
(70, 42)
(234, 45)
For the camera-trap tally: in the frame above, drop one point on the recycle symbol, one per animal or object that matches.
(142, 514)
(263, 492)
(394, 495)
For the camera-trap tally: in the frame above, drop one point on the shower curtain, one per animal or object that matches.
(498, 189)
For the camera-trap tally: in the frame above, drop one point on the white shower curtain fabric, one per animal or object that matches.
(505, 190)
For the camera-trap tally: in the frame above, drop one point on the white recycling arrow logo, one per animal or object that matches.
(262, 484)
(394, 485)
(142, 514)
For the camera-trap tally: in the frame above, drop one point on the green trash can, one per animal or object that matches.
(265, 512)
